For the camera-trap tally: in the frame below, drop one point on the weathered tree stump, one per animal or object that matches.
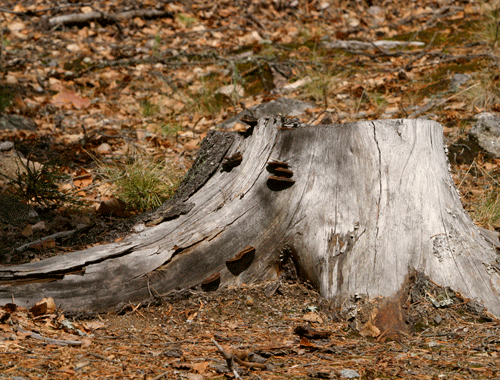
(357, 206)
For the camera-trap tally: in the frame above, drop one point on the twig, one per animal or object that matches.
(106, 17)
(31, 12)
(59, 342)
(434, 103)
(1, 47)
(134, 308)
(360, 99)
(26, 246)
(160, 375)
(228, 357)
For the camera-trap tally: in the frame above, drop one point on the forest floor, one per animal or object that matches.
(111, 92)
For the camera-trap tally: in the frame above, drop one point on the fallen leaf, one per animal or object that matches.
(93, 325)
(113, 206)
(45, 306)
(312, 317)
(44, 244)
(200, 367)
(67, 98)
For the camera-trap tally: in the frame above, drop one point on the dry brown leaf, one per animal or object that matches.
(44, 244)
(68, 98)
(200, 367)
(83, 178)
(113, 206)
(93, 325)
(312, 317)
(27, 231)
(45, 306)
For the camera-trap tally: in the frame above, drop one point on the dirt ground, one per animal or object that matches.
(269, 324)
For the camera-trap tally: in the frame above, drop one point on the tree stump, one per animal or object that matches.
(357, 207)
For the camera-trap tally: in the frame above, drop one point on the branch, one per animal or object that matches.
(106, 17)
(229, 359)
(59, 342)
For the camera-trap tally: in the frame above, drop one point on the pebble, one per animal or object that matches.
(249, 301)
(104, 148)
(40, 226)
(349, 374)
(6, 145)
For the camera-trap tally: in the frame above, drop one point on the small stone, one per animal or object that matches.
(40, 226)
(104, 148)
(459, 80)
(249, 301)
(139, 227)
(438, 319)
(6, 145)
(349, 374)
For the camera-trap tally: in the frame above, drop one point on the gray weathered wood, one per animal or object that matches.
(371, 201)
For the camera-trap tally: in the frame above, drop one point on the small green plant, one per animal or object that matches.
(486, 91)
(378, 99)
(170, 129)
(490, 24)
(321, 86)
(210, 102)
(487, 212)
(149, 109)
(156, 45)
(6, 96)
(142, 184)
(39, 184)
(186, 20)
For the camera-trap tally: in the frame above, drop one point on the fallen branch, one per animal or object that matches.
(59, 342)
(26, 246)
(360, 45)
(229, 359)
(76, 18)
(238, 357)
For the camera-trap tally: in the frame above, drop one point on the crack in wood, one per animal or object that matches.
(56, 275)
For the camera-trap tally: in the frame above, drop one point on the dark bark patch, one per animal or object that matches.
(279, 183)
(211, 283)
(231, 162)
(272, 165)
(241, 261)
(282, 172)
(213, 149)
(251, 121)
